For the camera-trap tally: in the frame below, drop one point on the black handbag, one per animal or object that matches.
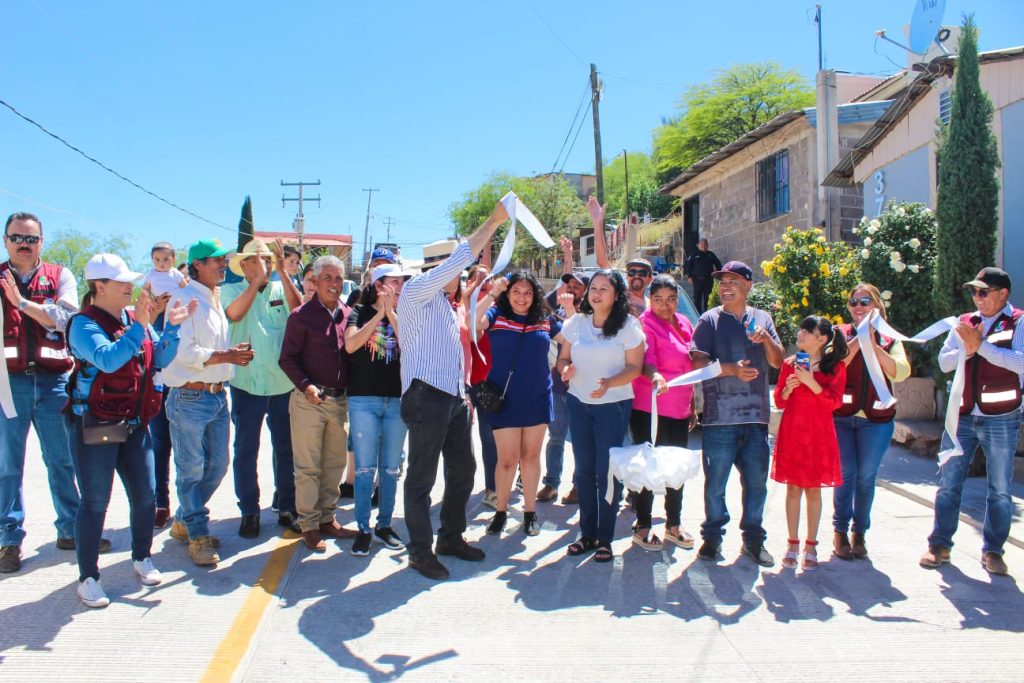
(96, 432)
(486, 395)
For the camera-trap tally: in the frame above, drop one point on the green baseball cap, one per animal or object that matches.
(206, 249)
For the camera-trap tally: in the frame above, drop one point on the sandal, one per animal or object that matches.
(681, 538)
(584, 545)
(789, 560)
(647, 540)
(810, 562)
(603, 553)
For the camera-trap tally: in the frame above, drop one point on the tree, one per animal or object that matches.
(73, 249)
(551, 198)
(245, 224)
(643, 187)
(968, 191)
(736, 101)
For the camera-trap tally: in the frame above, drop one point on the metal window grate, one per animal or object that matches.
(945, 106)
(772, 176)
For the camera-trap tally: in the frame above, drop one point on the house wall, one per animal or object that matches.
(1012, 144)
(903, 180)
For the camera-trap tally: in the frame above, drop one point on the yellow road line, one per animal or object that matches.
(236, 642)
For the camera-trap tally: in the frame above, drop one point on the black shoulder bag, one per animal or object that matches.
(486, 395)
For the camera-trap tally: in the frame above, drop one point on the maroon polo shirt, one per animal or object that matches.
(314, 347)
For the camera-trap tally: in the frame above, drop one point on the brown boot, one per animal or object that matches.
(334, 530)
(547, 494)
(570, 498)
(994, 564)
(860, 551)
(202, 552)
(313, 541)
(841, 546)
(935, 557)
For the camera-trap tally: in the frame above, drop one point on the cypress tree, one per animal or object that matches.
(968, 191)
(245, 227)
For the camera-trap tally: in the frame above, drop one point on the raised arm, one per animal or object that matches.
(597, 221)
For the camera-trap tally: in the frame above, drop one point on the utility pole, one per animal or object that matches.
(299, 224)
(625, 161)
(366, 230)
(595, 95)
(389, 222)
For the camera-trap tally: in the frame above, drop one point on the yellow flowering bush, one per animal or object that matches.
(810, 276)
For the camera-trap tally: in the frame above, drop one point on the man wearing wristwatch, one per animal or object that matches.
(38, 300)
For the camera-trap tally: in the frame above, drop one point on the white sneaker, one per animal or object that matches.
(490, 499)
(147, 573)
(90, 592)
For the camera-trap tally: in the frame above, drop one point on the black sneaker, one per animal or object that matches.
(759, 555)
(361, 546)
(347, 490)
(497, 524)
(460, 549)
(429, 566)
(249, 526)
(288, 520)
(389, 537)
(531, 526)
(709, 551)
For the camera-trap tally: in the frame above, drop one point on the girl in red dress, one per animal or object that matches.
(806, 458)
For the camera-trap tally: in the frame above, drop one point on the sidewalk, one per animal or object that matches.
(272, 610)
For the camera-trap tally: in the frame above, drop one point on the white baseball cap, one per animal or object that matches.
(109, 267)
(388, 270)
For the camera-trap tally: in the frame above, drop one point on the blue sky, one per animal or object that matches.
(205, 102)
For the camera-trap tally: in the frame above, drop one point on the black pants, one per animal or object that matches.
(671, 432)
(160, 434)
(438, 425)
(701, 291)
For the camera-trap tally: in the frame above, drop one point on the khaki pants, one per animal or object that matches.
(318, 447)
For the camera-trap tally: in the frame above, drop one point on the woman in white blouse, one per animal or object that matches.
(602, 353)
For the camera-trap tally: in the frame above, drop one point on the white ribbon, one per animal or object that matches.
(885, 397)
(516, 210)
(6, 397)
(657, 468)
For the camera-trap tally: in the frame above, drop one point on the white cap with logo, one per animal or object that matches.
(110, 267)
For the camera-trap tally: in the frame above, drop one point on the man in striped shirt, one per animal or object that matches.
(434, 406)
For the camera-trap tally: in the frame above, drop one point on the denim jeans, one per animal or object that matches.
(438, 425)
(596, 428)
(160, 435)
(199, 435)
(247, 414)
(488, 448)
(997, 435)
(38, 400)
(862, 444)
(558, 431)
(746, 447)
(95, 467)
(378, 434)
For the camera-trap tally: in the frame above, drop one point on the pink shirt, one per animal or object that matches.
(668, 350)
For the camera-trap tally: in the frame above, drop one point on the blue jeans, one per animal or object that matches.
(746, 447)
(596, 428)
(488, 448)
(997, 435)
(378, 435)
(95, 467)
(38, 400)
(862, 443)
(247, 414)
(199, 434)
(160, 435)
(558, 431)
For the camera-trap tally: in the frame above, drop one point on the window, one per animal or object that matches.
(773, 186)
(945, 106)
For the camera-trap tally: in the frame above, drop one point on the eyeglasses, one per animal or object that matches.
(641, 272)
(15, 238)
(860, 301)
(979, 293)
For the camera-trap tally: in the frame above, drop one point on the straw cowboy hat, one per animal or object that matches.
(256, 248)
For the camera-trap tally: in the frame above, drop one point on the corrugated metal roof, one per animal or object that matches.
(853, 112)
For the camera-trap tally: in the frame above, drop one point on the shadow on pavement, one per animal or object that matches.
(982, 607)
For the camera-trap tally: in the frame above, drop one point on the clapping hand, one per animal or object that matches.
(970, 335)
(144, 308)
(568, 303)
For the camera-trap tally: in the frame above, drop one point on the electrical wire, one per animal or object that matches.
(567, 154)
(671, 87)
(110, 170)
(579, 109)
(554, 33)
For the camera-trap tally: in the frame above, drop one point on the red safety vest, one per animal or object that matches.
(116, 395)
(27, 344)
(995, 390)
(859, 393)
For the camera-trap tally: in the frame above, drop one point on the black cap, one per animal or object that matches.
(736, 268)
(578, 277)
(990, 278)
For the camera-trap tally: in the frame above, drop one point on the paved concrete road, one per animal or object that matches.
(272, 611)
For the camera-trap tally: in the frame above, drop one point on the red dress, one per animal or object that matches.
(806, 449)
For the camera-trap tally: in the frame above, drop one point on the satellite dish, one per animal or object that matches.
(925, 24)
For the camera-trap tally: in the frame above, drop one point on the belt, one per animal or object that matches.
(212, 387)
(330, 393)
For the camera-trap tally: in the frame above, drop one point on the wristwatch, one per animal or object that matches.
(23, 304)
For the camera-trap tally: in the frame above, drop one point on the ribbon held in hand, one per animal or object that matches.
(517, 211)
(6, 395)
(657, 468)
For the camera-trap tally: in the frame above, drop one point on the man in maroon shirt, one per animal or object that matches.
(313, 356)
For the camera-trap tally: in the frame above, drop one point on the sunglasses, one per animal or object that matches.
(642, 272)
(15, 238)
(860, 301)
(979, 293)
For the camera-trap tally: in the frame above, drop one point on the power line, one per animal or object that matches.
(110, 170)
(583, 119)
(579, 110)
(555, 34)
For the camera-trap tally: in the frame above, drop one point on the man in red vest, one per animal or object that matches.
(38, 299)
(990, 416)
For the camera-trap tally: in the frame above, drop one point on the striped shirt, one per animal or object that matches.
(428, 328)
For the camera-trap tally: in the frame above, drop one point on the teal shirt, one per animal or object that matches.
(263, 327)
